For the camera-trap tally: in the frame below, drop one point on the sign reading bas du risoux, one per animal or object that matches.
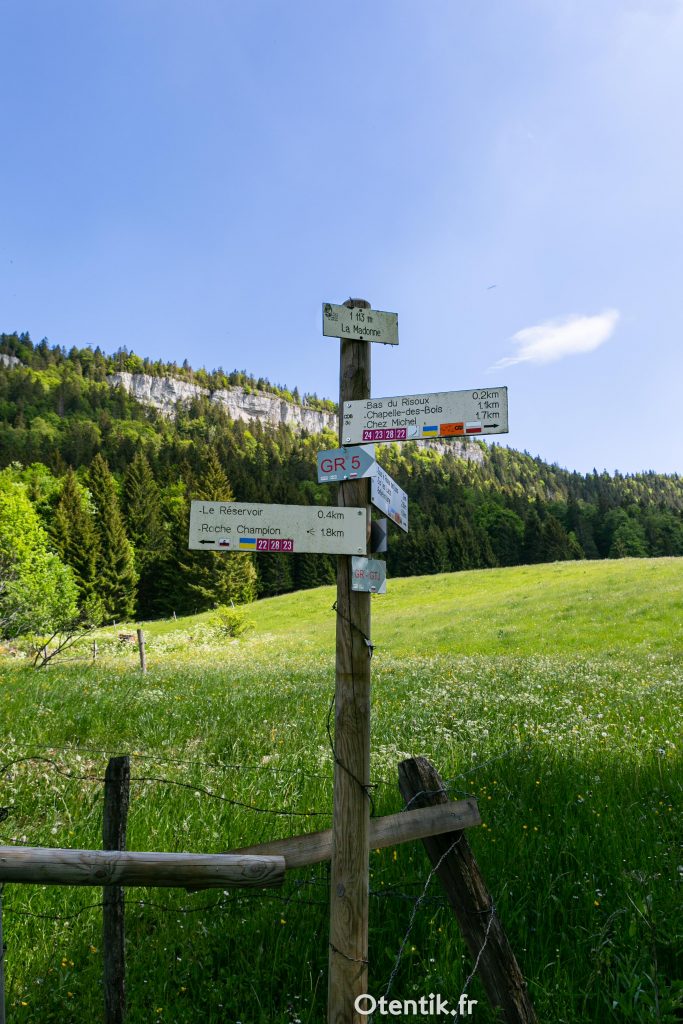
(421, 417)
(241, 526)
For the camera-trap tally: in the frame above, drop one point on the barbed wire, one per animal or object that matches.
(466, 985)
(418, 902)
(196, 788)
(217, 765)
(225, 902)
(449, 783)
(366, 787)
(49, 760)
(192, 786)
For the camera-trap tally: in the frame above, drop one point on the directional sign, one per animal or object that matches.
(360, 324)
(387, 496)
(368, 574)
(239, 526)
(346, 464)
(421, 417)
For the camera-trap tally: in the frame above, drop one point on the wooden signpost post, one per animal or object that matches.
(349, 881)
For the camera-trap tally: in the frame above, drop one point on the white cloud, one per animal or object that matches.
(555, 339)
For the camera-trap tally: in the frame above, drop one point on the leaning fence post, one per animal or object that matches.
(141, 645)
(115, 817)
(459, 873)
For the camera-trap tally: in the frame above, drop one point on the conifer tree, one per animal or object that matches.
(555, 545)
(147, 533)
(218, 577)
(312, 570)
(116, 575)
(463, 545)
(274, 575)
(532, 547)
(76, 539)
(175, 570)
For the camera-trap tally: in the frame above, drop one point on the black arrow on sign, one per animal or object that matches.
(207, 542)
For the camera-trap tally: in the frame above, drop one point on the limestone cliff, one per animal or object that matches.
(164, 393)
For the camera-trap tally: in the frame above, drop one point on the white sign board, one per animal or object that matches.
(421, 417)
(346, 464)
(387, 496)
(360, 324)
(368, 575)
(240, 526)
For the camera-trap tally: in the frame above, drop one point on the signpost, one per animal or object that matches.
(288, 529)
(345, 530)
(387, 496)
(368, 575)
(346, 464)
(359, 323)
(422, 417)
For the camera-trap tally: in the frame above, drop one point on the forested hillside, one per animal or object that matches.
(108, 483)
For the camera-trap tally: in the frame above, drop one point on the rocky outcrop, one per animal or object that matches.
(164, 393)
(167, 393)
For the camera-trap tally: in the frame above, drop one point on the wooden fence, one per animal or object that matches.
(429, 816)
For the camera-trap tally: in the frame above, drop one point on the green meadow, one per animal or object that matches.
(551, 693)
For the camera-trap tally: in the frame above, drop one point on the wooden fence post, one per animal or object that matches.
(349, 878)
(141, 645)
(115, 817)
(459, 873)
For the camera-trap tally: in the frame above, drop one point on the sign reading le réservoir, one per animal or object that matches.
(360, 324)
(241, 526)
(420, 417)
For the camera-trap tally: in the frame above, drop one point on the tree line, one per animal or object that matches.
(101, 486)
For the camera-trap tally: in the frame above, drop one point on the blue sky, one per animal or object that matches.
(194, 180)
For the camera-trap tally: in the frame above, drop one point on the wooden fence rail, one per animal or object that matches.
(46, 866)
(314, 847)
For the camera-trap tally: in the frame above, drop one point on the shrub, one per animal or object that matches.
(230, 622)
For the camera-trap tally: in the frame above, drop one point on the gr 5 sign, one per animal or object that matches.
(346, 464)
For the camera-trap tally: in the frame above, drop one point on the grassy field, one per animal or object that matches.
(551, 693)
